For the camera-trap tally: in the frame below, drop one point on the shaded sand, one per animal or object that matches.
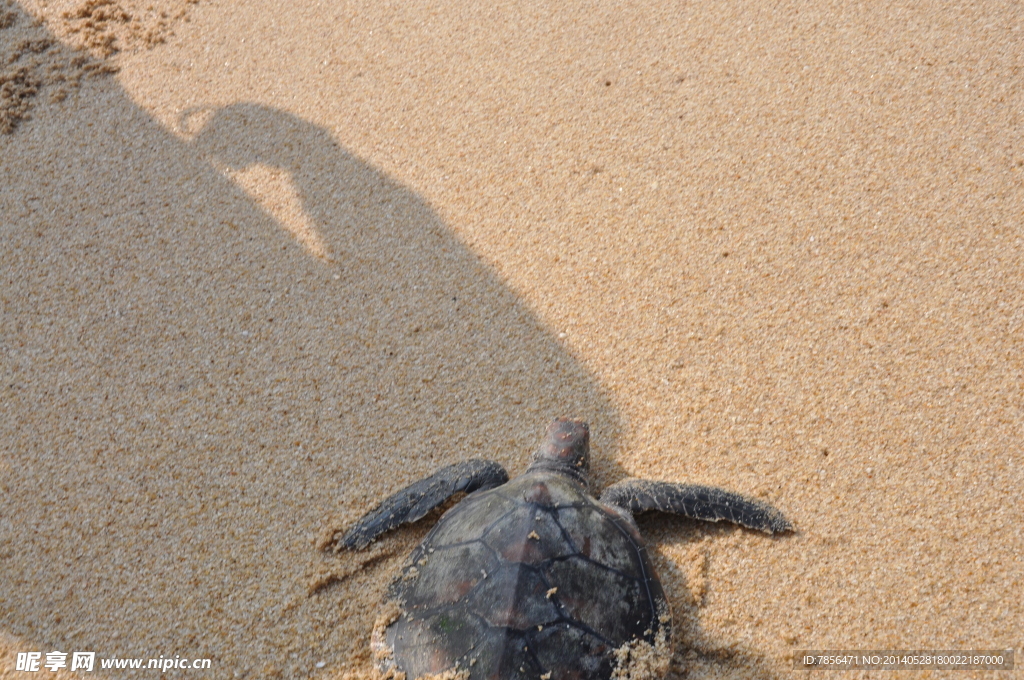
(292, 258)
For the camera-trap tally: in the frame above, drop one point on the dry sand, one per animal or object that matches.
(293, 256)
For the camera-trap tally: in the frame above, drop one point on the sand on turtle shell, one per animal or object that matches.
(641, 660)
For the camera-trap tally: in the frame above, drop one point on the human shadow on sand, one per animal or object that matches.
(196, 390)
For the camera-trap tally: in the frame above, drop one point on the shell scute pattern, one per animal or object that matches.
(501, 653)
(416, 636)
(449, 574)
(528, 534)
(571, 652)
(520, 588)
(583, 588)
(535, 578)
(600, 536)
(515, 577)
(461, 527)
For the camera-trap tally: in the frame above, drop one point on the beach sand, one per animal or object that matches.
(262, 264)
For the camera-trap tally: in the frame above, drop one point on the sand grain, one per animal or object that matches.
(290, 259)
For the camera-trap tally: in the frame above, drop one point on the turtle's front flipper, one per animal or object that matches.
(697, 502)
(416, 500)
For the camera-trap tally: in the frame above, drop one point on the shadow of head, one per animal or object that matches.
(243, 134)
(442, 336)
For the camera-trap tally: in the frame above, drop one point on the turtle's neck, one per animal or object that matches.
(548, 466)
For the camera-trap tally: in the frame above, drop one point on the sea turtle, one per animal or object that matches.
(535, 578)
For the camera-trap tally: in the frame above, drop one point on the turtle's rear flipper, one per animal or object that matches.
(416, 500)
(706, 503)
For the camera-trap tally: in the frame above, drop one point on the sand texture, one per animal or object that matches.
(262, 264)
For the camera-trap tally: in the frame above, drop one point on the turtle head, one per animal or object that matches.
(566, 449)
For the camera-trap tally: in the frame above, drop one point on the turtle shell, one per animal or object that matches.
(533, 579)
